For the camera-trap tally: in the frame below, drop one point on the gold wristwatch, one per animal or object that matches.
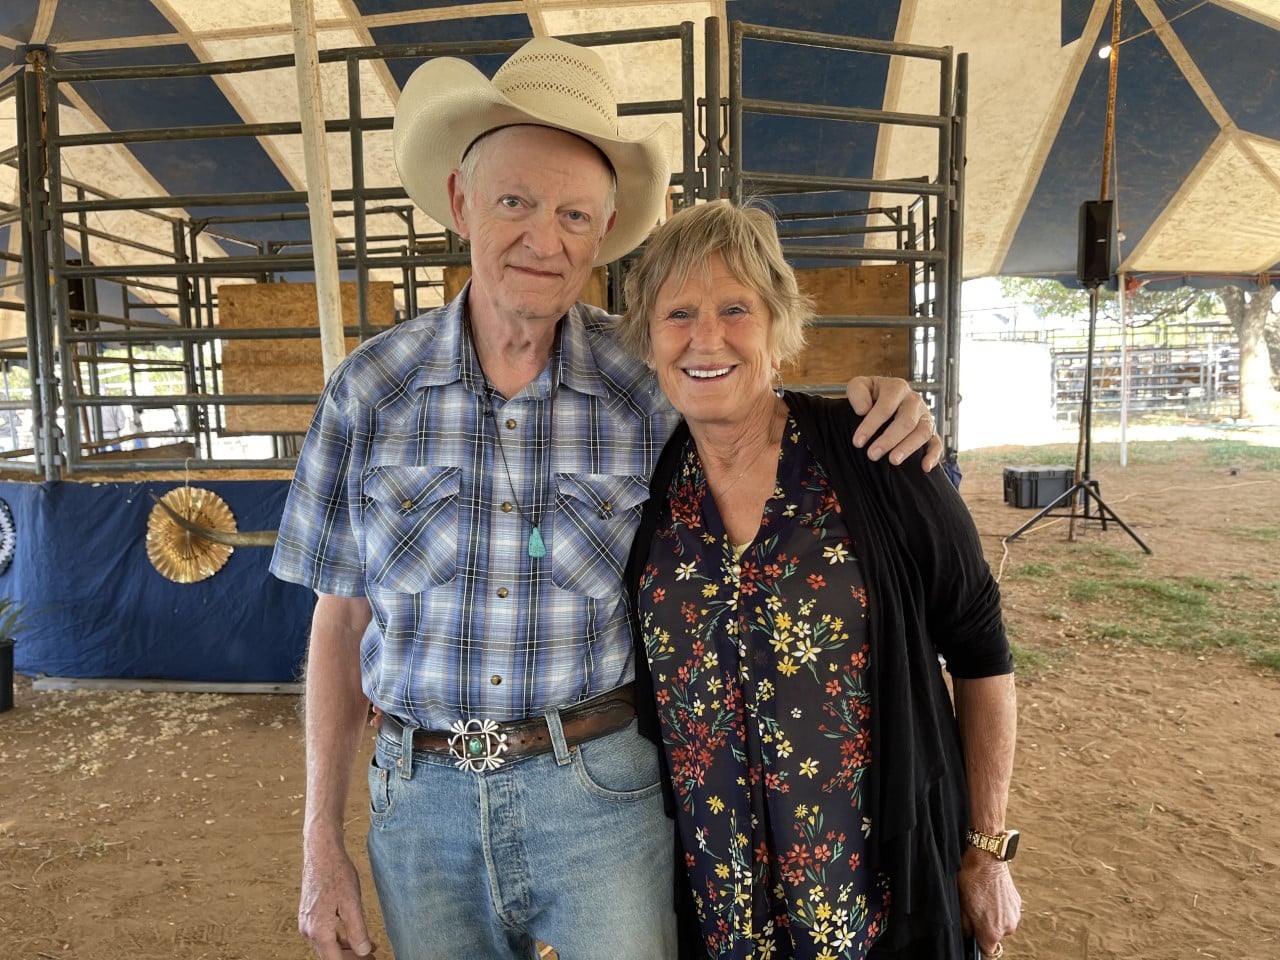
(1002, 846)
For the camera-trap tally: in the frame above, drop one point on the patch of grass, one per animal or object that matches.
(1197, 614)
(1050, 455)
(1194, 614)
(1269, 658)
(1205, 584)
(1230, 453)
(1116, 559)
(1095, 562)
(1229, 638)
(1033, 571)
(1263, 534)
(1085, 590)
(1167, 599)
(1116, 631)
(1028, 661)
(1213, 453)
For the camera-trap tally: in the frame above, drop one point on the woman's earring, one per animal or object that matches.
(777, 382)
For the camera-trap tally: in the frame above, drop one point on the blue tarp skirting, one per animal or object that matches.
(96, 606)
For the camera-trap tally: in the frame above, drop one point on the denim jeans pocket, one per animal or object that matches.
(622, 766)
(382, 776)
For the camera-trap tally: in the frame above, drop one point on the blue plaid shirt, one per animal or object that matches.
(400, 495)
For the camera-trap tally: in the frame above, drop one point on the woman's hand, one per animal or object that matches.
(990, 906)
(891, 400)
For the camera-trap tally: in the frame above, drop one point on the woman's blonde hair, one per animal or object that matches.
(747, 240)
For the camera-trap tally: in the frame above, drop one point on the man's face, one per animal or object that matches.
(536, 215)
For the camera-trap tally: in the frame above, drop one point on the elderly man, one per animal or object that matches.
(463, 505)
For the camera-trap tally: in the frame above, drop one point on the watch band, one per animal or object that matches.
(1002, 846)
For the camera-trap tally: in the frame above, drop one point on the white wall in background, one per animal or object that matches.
(1006, 394)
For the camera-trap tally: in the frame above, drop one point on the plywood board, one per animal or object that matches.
(277, 366)
(834, 354)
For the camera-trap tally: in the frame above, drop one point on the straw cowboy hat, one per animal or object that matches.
(448, 104)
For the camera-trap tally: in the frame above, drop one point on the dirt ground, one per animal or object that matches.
(165, 826)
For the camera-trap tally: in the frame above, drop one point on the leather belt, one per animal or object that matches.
(480, 745)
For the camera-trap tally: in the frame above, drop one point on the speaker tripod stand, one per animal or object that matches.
(1084, 492)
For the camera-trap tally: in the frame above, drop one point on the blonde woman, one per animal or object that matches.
(791, 601)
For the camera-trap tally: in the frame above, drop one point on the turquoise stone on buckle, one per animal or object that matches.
(477, 745)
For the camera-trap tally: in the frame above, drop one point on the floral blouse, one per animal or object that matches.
(758, 655)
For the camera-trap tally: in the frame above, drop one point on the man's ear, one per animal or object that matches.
(613, 218)
(458, 205)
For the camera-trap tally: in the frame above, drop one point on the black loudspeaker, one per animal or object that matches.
(1093, 260)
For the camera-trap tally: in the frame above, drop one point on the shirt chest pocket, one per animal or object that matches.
(596, 516)
(411, 526)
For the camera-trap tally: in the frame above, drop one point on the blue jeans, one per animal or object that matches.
(571, 848)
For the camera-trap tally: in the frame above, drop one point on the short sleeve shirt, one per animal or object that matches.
(402, 494)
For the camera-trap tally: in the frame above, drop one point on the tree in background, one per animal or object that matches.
(1252, 312)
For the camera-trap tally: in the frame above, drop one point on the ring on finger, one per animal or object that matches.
(997, 953)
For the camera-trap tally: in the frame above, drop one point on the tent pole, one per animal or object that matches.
(1109, 132)
(319, 196)
(1123, 301)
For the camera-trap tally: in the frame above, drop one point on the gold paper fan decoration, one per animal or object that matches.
(180, 555)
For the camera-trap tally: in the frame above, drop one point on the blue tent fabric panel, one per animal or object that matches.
(1074, 13)
(97, 607)
(501, 27)
(1168, 143)
(79, 20)
(875, 20)
(1169, 151)
(1075, 16)
(1245, 82)
(193, 166)
(18, 20)
(793, 73)
(373, 8)
(1169, 125)
(803, 74)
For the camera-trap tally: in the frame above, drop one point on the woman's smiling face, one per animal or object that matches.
(710, 345)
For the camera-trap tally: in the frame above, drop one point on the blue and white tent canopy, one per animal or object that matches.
(1197, 122)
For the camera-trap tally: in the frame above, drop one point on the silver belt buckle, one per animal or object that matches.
(477, 745)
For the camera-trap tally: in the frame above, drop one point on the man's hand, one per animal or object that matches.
(883, 399)
(330, 914)
(990, 906)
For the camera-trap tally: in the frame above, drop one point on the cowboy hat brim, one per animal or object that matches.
(447, 104)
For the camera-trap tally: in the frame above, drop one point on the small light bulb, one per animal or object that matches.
(1104, 51)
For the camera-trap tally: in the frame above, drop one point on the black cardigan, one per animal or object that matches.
(932, 594)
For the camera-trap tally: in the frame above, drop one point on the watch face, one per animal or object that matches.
(1010, 845)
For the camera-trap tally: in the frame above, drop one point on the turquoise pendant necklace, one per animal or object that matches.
(536, 547)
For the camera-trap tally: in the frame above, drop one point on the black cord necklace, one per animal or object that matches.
(536, 547)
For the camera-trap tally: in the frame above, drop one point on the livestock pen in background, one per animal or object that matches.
(165, 340)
